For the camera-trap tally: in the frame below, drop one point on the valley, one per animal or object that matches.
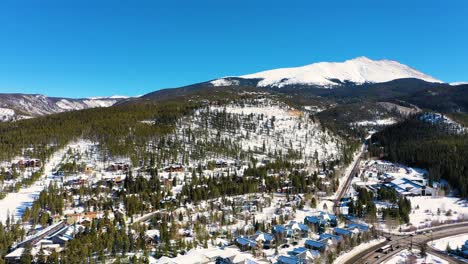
(262, 168)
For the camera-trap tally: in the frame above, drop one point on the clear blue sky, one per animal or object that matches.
(96, 48)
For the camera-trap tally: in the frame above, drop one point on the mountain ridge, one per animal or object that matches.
(17, 106)
(359, 70)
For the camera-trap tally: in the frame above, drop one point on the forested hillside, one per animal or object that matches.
(116, 128)
(425, 145)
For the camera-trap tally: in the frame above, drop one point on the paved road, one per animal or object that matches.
(349, 179)
(400, 243)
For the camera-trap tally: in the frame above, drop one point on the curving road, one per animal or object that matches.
(399, 243)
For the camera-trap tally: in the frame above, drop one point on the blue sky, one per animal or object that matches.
(97, 48)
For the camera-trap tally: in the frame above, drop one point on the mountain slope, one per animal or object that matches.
(21, 106)
(331, 74)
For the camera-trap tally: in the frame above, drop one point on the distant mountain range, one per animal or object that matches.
(356, 78)
(23, 106)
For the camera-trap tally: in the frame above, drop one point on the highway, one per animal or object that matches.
(399, 243)
(349, 178)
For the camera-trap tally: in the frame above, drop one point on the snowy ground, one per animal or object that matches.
(265, 127)
(377, 122)
(453, 241)
(450, 208)
(6, 114)
(347, 255)
(406, 256)
(14, 204)
(440, 119)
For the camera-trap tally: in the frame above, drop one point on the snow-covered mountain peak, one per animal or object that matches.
(329, 74)
(361, 59)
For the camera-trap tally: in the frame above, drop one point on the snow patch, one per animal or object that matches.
(6, 114)
(405, 255)
(224, 82)
(453, 242)
(359, 70)
(426, 210)
(458, 83)
(378, 122)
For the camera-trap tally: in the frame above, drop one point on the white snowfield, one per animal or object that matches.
(14, 204)
(405, 256)
(426, 210)
(359, 70)
(453, 242)
(6, 114)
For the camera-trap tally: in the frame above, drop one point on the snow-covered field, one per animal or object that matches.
(425, 210)
(454, 242)
(406, 256)
(14, 204)
(6, 114)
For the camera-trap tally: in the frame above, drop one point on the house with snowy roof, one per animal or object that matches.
(330, 239)
(303, 253)
(299, 230)
(152, 236)
(330, 218)
(315, 245)
(342, 232)
(321, 221)
(359, 227)
(290, 260)
(267, 240)
(245, 243)
(409, 187)
(14, 256)
(281, 233)
(314, 220)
